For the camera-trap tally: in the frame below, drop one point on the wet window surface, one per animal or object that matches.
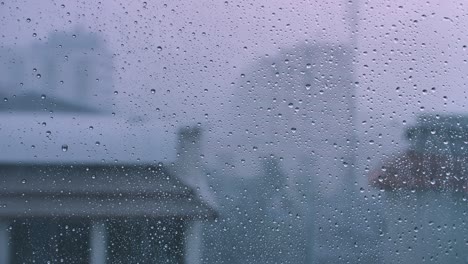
(233, 132)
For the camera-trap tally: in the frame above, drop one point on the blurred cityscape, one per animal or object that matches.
(72, 190)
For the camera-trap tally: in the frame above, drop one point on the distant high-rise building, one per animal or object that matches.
(69, 71)
(298, 106)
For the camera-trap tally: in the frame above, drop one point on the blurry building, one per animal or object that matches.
(424, 193)
(78, 185)
(73, 68)
(95, 213)
(297, 106)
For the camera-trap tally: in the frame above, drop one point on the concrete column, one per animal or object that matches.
(98, 243)
(4, 242)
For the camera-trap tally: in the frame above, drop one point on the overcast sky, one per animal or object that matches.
(411, 54)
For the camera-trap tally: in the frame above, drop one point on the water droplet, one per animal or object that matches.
(153, 91)
(38, 76)
(64, 147)
(28, 20)
(98, 143)
(23, 181)
(43, 96)
(159, 48)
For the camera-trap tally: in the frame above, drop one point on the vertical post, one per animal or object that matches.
(352, 10)
(98, 243)
(353, 20)
(4, 242)
(193, 243)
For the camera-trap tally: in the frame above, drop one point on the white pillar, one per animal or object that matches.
(4, 242)
(193, 243)
(98, 243)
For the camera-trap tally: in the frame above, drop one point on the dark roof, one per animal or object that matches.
(437, 158)
(415, 170)
(96, 190)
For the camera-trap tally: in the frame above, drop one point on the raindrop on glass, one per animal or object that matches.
(64, 147)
